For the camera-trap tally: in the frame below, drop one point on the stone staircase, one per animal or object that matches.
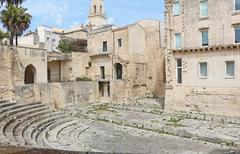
(36, 125)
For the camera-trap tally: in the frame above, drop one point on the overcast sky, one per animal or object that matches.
(68, 13)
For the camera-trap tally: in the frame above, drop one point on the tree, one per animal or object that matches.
(11, 2)
(16, 20)
(65, 46)
(3, 35)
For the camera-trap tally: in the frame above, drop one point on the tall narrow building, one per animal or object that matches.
(97, 15)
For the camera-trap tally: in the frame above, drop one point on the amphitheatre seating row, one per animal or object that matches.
(36, 125)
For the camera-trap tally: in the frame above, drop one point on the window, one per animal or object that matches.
(204, 37)
(101, 89)
(109, 90)
(176, 7)
(237, 34)
(102, 68)
(95, 9)
(105, 47)
(178, 40)
(230, 68)
(179, 71)
(119, 71)
(204, 8)
(237, 5)
(101, 9)
(203, 69)
(54, 42)
(119, 42)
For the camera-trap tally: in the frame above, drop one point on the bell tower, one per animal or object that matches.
(97, 13)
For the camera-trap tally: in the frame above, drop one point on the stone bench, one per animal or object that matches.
(6, 104)
(50, 135)
(28, 135)
(15, 107)
(21, 128)
(73, 137)
(44, 131)
(8, 118)
(1, 102)
(9, 130)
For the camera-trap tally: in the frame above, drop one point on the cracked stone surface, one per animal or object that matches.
(209, 131)
(105, 137)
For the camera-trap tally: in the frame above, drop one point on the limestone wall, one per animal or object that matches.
(36, 57)
(5, 74)
(80, 65)
(141, 57)
(13, 62)
(58, 95)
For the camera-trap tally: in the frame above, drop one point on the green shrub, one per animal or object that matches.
(83, 79)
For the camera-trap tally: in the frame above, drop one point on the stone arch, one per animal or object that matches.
(95, 8)
(30, 74)
(118, 71)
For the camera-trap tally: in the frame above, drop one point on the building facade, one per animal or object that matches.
(203, 56)
(125, 67)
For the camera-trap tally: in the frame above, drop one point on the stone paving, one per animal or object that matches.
(107, 137)
(187, 126)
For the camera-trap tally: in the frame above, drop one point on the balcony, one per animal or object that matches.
(59, 56)
(106, 78)
(100, 53)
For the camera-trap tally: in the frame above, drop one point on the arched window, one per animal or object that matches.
(30, 74)
(101, 9)
(119, 71)
(95, 9)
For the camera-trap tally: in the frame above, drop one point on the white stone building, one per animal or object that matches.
(203, 56)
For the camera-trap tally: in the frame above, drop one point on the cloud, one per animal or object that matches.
(110, 20)
(69, 13)
(53, 11)
(74, 24)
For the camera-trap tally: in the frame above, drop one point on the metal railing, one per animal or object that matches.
(96, 51)
(59, 56)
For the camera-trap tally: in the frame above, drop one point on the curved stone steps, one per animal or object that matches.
(21, 128)
(53, 130)
(3, 101)
(9, 130)
(28, 134)
(53, 133)
(7, 104)
(73, 137)
(43, 132)
(13, 117)
(40, 137)
(68, 137)
(4, 112)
